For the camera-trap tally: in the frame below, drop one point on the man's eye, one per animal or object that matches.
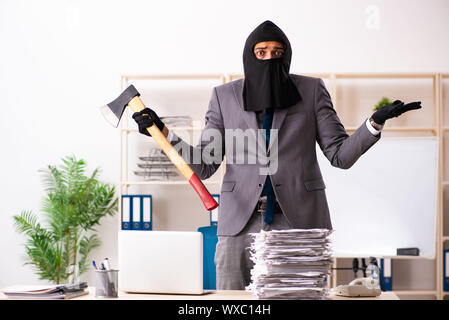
(260, 53)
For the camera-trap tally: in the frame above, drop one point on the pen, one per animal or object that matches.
(95, 266)
(111, 286)
(105, 264)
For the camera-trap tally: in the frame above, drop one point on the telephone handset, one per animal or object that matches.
(360, 287)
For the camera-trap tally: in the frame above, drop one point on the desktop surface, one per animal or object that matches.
(216, 295)
(208, 295)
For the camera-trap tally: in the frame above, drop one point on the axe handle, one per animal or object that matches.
(137, 105)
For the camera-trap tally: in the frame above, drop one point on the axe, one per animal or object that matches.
(130, 97)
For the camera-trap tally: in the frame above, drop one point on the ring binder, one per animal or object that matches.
(126, 212)
(147, 212)
(386, 274)
(446, 270)
(214, 213)
(137, 212)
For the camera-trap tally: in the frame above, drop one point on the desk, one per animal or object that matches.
(210, 295)
(214, 295)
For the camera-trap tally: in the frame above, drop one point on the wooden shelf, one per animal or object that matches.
(408, 258)
(157, 182)
(173, 77)
(389, 257)
(416, 292)
(172, 128)
(400, 129)
(384, 75)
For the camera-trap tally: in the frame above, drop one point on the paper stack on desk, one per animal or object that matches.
(290, 264)
(56, 291)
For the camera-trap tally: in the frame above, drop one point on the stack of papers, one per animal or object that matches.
(57, 291)
(177, 121)
(291, 264)
(157, 166)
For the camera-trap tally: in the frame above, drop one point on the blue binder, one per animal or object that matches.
(126, 212)
(136, 209)
(210, 240)
(386, 274)
(147, 212)
(214, 213)
(137, 212)
(446, 270)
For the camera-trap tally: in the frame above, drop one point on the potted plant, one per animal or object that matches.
(382, 103)
(72, 208)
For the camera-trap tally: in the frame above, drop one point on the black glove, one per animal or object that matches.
(394, 110)
(145, 119)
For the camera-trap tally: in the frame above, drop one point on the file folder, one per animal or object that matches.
(446, 270)
(126, 212)
(147, 212)
(136, 213)
(214, 213)
(386, 274)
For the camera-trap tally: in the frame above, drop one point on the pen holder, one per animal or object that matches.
(106, 283)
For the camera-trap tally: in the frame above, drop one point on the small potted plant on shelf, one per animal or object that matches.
(382, 103)
(72, 208)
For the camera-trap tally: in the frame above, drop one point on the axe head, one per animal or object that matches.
(113, 111)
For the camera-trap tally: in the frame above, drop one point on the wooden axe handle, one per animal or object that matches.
(137, 105)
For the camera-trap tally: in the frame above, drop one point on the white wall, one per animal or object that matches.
(60, 60)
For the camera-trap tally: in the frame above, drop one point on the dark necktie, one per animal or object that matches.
(268, 188)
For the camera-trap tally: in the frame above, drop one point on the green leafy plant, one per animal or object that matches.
(72, 208)
(382, 103)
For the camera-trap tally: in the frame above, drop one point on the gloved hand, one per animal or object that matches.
(394, 110)
(145, 119)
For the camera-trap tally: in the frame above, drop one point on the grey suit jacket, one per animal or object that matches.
(298, 183)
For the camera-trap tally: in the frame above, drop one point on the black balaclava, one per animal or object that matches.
(267, 82)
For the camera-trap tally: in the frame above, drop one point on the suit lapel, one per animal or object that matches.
(248, 116)
(278, 119)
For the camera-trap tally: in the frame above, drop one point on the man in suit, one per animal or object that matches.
(284, 115)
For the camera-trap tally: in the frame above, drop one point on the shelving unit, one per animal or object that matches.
(444, 128)
(437, 128)
(126, 130)
(434, 130)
